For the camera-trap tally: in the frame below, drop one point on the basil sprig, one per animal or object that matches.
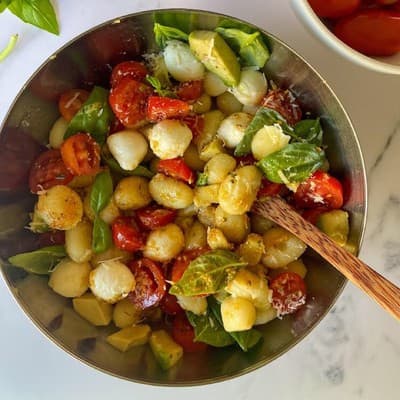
(159, 88)
(308, 131)
(100, 196)
(163, 34)
(41, 261)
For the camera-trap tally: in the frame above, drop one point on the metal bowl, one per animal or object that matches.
(86, 61)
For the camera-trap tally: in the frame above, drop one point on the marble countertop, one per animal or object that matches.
(354, 353)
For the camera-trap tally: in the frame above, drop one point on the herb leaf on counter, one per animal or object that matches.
(9, 48)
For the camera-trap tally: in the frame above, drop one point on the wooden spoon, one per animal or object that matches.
(373, 284)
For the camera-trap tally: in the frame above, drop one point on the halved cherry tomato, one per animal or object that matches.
(128, 100)
(51, 238)
(183, 334)
(283, 102)
(386, 2)
(71, 101)
(371, 32)
(288, 292)
(169, 304)
(312, 214)
(269, 188)
(153, 217)
(195, 122)
(319, 190)
(127, 235)
(191, 90)
(47, 171)
(182, 262)
(116, 126)
(176, 168)
(132, 69)
(159, 108)
(150, 283)
(334, 8)
(81, 154)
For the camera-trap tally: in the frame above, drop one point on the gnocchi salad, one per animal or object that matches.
(145, 196)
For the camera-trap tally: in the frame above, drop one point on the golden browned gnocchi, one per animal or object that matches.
(132, 193)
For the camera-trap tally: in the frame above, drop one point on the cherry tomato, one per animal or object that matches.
(71, 101)
(386, 2)
(153, 217)
(319, 190)
(195, 123)
(176, 168)
(288, 292)
(334, 8)
(116, 126)
(183, 260)
(312, 214)
(159, 108)
(150, 283)
(17, 154)
(128, 101)
(132, 69)
(246, 160)
(183, 334)
(191, 90)
(47, 171)
(127, 235)
(51, 238)
(169, 304)
(81, 154)
(371, 32)
(283, 102)
(269, 188)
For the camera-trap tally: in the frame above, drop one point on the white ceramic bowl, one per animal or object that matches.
(388, 65)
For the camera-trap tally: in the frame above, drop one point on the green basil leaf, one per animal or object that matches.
(263, 117)
(309, 131)
(208, 330)
(158, 87)
(163, 34)
(140, 170)
(250, 46)
(156, 64)
(208, 273)
(245, 339)
(292, 164)
(101, 191)
(36, 12)
(202, 179)
(101, 238)
(94, 117)
(41, 261)
(4, 4)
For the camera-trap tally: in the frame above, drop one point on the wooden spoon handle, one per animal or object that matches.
(371, 282)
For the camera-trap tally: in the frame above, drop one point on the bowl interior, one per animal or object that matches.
(86, 61)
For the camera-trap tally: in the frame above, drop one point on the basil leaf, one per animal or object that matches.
(41, 261)
(101, 237)
(9, 48)
(114, 166)
(294, 163)
(158, 87)
(264, 116)
(4, 4)
(202, 179)
(156, 64)
(163, 34)
(245, 339)
(309, 131)
(94, 117)
(207, 273)
(250, 46)
(101, 191)
(36, 12)
(208, 330)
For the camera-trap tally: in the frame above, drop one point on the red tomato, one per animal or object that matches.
(283, 102)
(132, 69)
(150, 283)
(17, 154)
(51, 238)
(128, 101)
(127, 235)
(176, 168)
(319, 190)
(288, 292)
(312, 214)
(183, 260)
(334, 8)
(246, 160)
(159, 108)
(195, 123)
(71, 101)
(386, 2)
(47, 171)
(153, 217)
(116, 126)
(183, 334)
(81, 154)
(269, 188)
(371, 32)
(189, 91)
(169, 304)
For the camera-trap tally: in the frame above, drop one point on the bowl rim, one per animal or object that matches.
(297, 339)
(314, 24)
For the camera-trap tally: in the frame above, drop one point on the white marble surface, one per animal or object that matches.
(354, 353)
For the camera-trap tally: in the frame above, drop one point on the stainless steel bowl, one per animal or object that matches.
(86, 61)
